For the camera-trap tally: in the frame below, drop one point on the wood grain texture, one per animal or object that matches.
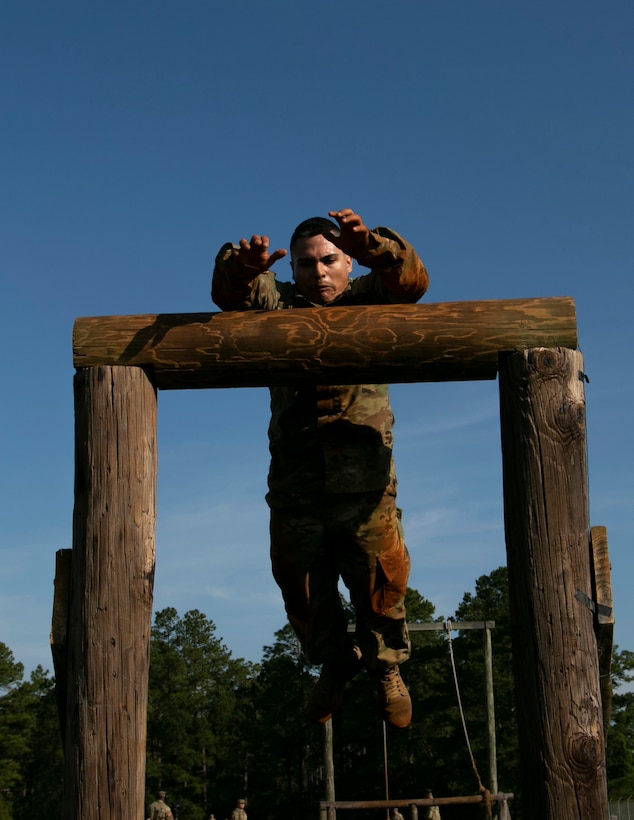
(59, 631)
(449, 341)
(110, 609)
(604, 620)
(548, 546)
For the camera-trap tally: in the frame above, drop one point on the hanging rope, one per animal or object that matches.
(486, 794)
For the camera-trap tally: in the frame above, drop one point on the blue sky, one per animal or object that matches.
(137, 138)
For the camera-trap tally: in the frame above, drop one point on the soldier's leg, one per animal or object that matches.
(306, 572)
(308, 577)
(375, 567)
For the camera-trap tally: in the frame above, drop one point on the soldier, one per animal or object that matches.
(239, 812)
(332, 485)
(159, 810)
(432, 812)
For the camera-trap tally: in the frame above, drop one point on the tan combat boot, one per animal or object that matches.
(394, 699)
(327, 694)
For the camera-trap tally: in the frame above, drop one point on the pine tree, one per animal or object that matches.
(287, 768)
(194, 685)
(30, 745)
(620, 736)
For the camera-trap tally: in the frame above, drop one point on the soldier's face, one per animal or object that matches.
(320, 269)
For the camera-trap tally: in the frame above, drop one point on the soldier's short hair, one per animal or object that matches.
(315, 226)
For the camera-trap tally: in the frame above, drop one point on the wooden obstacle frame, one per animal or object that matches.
(561, 608)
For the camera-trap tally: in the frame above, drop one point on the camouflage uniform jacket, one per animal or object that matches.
(329, 438)
(159, 810)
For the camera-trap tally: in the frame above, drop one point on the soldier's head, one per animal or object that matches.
(162, 795)
(320, 268)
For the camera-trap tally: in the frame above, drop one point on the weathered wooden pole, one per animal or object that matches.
(450, 341)
(490, 710)
(111, 589)
(604, 624)
(550, 584)
(59, 632)
(329, 766)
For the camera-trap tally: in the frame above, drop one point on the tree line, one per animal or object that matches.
(220, 728)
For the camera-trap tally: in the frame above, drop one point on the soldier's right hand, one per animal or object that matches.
(253, 256)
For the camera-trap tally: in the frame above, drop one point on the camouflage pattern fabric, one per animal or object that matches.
(159, 810)
(331, 439)
(332, 484)
(357, 537)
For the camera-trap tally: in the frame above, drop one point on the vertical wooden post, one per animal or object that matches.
(59, 632)
(604, 624)
(329, 766)
(490, 704)
(550, 583)
(111, 594)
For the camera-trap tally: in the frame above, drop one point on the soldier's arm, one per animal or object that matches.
(242, 280)
(397, 272)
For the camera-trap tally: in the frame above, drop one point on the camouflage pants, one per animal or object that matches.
(356, 537)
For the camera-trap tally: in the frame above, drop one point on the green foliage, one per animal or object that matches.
(42, 764)
(432, 752)
(412, 754)
(620, 742)
(490, 603)
(219, 727)
(30, 747)
(286, 763)
(10, 672)
(195, 687)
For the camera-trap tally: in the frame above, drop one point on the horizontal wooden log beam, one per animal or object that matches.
(448, 341)
(469, 799)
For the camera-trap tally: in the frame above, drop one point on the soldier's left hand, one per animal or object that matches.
(354, 236)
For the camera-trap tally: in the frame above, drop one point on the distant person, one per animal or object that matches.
(432, 812)
(239, 813)
(332, 484)
(396, 815)
(159, 810)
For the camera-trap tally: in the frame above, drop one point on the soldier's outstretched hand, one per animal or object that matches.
(253, 256)
(354, 236)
